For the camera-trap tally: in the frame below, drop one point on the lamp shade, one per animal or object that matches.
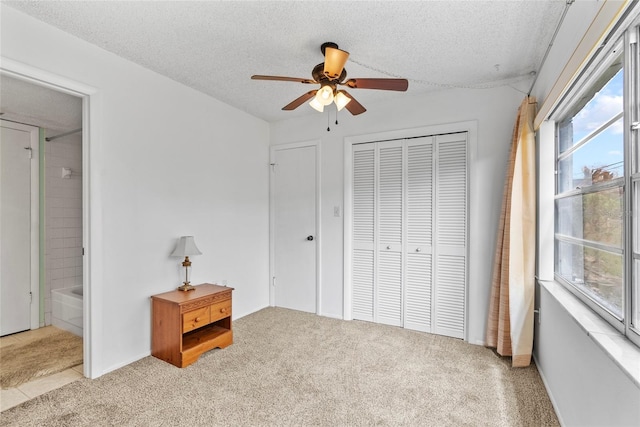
(334, 60)
(186, 247)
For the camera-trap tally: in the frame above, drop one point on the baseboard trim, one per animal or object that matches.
(546, 386)
(331, 316)
(125, 363)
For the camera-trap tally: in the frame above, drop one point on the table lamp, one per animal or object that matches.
(186, 246)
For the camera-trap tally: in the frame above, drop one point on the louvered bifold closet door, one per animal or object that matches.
(389, 262)
(419, 227)
(363, 256)
(450, 235)
(409, 256)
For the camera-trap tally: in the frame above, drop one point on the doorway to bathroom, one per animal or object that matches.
(41, 210)
(47, 201)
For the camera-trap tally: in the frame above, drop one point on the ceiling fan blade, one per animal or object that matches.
(353, 106)
(382, 84)
(300, 100)
(334, 60)
(282, 79)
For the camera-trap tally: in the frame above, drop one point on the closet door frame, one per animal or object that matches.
(466, 126)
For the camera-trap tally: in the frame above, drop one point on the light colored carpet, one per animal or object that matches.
(292, 368)
(24, 361)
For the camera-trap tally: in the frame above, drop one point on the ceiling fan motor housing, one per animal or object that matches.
(319, 76)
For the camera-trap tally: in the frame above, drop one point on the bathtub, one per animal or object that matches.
(66, 309)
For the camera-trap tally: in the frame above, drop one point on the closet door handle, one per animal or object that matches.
(309, 238)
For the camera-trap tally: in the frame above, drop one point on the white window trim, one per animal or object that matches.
(615, 345)
(620, 348)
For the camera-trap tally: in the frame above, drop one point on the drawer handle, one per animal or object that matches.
(197, 319)
(223, 310)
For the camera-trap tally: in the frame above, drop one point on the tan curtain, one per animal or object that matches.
(510, 323)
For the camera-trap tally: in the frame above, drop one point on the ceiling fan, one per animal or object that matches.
(329, 75)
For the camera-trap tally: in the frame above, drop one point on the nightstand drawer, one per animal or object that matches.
(221, 310)
(195, 319)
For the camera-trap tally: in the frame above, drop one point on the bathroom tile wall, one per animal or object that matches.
(63, 215)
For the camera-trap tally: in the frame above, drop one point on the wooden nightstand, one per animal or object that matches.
(186, 324)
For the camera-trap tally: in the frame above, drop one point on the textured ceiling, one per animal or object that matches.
(215, 47)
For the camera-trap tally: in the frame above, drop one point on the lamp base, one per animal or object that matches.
(186, 287)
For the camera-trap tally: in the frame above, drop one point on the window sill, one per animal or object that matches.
(615, 345)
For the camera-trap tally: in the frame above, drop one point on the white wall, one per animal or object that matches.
(495, 112)
(63, 216)
(585, 385)
(164, 161)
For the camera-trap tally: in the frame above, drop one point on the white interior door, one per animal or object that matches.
(294, 201)
(18, 228)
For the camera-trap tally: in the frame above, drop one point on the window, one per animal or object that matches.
(597, 202)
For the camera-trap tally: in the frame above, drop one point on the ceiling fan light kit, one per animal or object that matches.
(329, 75)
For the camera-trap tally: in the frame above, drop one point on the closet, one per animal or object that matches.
(409, 233)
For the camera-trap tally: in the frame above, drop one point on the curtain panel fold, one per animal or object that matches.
(510, 322)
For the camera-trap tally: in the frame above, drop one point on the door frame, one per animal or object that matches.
(34, 228)
(272, 159)
(471, 127)
(91, 200)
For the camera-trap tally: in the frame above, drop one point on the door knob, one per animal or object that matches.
(309, 238)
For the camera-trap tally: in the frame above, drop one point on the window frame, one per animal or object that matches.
(626, 37)
(632, 175)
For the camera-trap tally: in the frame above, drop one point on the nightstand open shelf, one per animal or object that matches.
(187, 324)
(202, 336)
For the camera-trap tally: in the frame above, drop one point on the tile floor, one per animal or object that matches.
(15, 396)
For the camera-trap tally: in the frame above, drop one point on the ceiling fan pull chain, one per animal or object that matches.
(328, 128)
(336, 117)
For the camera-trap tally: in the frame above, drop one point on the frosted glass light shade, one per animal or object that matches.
(325, 95)
(186, 247)
(317, 105)
(341, 100)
